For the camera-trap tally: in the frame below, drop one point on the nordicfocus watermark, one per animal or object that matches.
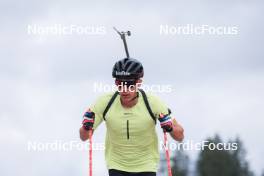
(197, 146)
(60, 29)
(191, 29)
(126, 87)
(62, 146)
(69, 146)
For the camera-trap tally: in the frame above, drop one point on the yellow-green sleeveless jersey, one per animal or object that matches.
(131, 143)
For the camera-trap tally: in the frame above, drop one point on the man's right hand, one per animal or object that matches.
(88, 120)
(165, 122)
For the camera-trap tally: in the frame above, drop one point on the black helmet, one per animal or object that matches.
(128, 68)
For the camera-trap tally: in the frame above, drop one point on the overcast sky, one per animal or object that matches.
(47, 80)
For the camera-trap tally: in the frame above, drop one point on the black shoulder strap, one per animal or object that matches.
(145, 101)
(147, 104)
(110, 103)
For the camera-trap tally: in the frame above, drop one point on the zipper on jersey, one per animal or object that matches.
(127, 129)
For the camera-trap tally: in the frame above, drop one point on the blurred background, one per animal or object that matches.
(47, 80)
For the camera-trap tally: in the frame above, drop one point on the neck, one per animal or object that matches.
(129, 103)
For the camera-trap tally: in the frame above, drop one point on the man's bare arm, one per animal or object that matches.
(177, 132)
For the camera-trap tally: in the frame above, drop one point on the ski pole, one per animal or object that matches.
(90, 154)
(123, 37)
(167, 153)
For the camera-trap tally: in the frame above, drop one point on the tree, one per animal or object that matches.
(262, 174)
(228, 162)
(180, 163)
(239, 155)
(163, 164)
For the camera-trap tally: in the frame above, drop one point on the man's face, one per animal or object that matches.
(128, 88)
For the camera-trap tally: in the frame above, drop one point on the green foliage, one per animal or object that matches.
(223, 162)
(262, 174)
(228, 162)
(180, 163)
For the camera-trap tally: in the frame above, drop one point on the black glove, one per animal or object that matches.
(88, 120)
(165, 122)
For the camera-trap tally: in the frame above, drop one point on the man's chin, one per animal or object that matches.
(126, 98)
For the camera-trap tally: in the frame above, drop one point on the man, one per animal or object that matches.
(131, 146)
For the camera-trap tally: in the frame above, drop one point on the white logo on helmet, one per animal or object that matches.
(122, 73)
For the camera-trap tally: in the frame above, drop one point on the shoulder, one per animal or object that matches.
(156, 104)
(102, 101)
(152, 98)
(105, 98)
